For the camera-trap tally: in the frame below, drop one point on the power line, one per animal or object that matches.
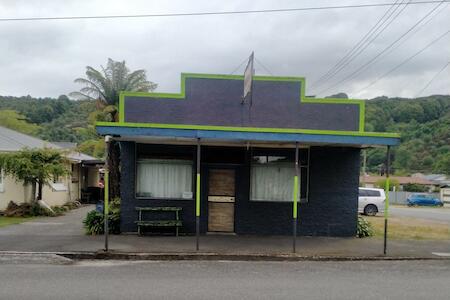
(277, 10)
(432, 79)
(408, 59)
(376, 57)
(349, 55)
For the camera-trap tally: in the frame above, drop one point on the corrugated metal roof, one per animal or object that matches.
(11, 140)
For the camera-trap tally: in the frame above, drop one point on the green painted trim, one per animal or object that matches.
(106, 194)
(197, 196)
(295, 197)
(250, 129)
(386, 202)
(121, 107)
(182, 94)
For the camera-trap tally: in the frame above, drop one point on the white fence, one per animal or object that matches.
(400, 197)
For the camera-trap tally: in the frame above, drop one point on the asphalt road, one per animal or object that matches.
(426, 213)
(227, 280)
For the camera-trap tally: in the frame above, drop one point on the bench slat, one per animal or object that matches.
(169, 208)
(160, 223)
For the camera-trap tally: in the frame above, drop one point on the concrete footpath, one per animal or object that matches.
(65, 235)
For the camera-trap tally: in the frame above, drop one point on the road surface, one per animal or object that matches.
(226, 280)
(426, 213)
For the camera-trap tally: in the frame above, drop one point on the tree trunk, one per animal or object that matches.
(40, 185)
(114, 169)
(33, 191)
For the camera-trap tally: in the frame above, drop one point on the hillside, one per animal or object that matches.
(424, 124)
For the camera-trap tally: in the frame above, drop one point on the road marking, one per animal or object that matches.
(445, 254)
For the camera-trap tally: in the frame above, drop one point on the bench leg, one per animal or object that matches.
(139, 230)
(176, 230)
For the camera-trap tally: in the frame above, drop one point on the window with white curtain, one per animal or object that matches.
(2, 180)
(272, 177)
(164, 178)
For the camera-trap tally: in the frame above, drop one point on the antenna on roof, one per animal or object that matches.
(248, 80)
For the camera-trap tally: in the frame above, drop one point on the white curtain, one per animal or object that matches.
(164, 178)
(272, 181)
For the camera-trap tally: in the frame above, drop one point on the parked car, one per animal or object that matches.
(371, 201)
(423, 200)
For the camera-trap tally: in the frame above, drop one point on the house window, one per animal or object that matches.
(164, 178)
(272, 176)
(2, 180)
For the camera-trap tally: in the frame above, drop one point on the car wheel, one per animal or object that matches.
(370, 210)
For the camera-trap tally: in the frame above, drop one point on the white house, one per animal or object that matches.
(84, 173)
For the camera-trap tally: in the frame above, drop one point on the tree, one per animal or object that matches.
(105, 86)
(34, 166)
(15, 121)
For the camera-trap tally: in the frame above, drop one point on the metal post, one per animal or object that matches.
(106, 191)
(386, 203)
(295, 201)
(197, 198)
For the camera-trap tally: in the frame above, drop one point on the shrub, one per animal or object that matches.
(364, 228)
(94, 221)
(26, 210)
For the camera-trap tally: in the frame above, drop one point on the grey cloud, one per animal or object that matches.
(43, 58)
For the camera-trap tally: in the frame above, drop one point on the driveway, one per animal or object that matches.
(63, 233)
(426, 213)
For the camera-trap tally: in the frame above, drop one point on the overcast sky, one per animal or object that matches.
(42, 58)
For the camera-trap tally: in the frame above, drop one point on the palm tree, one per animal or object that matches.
(104, 86)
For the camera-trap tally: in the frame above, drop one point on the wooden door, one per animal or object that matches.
(221, 196)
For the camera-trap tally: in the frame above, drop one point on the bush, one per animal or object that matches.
(26, 210)
(364, 228)
(94, 221)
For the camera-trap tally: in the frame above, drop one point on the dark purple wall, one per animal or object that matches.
(276, 104)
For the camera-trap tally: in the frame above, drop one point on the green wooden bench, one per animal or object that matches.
(177, 223)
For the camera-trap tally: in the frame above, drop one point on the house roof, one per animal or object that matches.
(11, 141)
(400, 179)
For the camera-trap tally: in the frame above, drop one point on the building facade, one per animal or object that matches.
(262, 165)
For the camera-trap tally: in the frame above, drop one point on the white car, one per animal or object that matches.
(371, 201)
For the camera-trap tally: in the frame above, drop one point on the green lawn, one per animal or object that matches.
(404, 228)
(5, 221)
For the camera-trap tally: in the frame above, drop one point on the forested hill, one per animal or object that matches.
(424, 124)
(52, 119)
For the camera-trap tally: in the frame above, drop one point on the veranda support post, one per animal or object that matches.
(295, 201)
(386, 203)
(197, 198)
(106, 191)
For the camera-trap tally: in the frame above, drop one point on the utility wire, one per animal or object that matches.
(393, 69)
(375, 58)
(334, 70)
(432, 79)
(277, 10)
(361, 50)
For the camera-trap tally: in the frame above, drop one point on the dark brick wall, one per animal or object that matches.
(331, 210)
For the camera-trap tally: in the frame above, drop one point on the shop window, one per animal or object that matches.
(164, 178)
(272, 175)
